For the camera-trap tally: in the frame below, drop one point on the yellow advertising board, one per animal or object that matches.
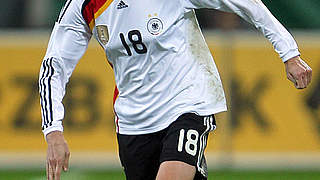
(89, 115)
(267, 113)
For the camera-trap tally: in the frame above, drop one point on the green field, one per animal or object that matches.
(118, 175)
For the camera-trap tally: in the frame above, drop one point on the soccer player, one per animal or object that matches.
(167, 85)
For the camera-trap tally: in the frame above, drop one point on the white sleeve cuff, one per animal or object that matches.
(290, 54)
(56, 126)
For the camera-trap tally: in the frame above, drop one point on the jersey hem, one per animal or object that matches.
(170, 121)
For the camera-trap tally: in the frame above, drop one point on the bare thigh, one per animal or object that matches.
(176, 170)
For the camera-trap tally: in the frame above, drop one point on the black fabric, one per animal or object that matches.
(141, 155)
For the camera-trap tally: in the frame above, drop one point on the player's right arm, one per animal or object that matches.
(68, 42)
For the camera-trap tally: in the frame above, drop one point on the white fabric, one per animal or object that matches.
(176, 75)
(255, 12)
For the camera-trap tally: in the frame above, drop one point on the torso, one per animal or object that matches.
(162, 65)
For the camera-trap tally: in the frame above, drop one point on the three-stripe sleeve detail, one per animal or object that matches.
(44, 67)
(50, 93)
(43, 93)
(46, 92)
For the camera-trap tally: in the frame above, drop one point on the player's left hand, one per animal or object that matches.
(298, 72)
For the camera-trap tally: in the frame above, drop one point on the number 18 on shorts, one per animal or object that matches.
(184, 140)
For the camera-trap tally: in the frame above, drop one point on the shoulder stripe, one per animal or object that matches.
(92, 9)
(102, 8)
(64, 11)
(86, 11)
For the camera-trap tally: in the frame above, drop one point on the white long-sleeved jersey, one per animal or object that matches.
(162, 65)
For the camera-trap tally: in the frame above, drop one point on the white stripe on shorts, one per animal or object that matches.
(208, 122)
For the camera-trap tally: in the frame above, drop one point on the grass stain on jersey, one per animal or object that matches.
(202, 55)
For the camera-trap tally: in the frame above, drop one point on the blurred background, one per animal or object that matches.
(270, 126)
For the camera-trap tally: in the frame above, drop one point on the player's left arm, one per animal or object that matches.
(256, 13)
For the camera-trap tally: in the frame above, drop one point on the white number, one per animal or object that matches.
(180, 143)
(191, 144)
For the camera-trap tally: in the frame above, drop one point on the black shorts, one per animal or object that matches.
(184, 140)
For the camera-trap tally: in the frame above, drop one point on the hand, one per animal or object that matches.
(57, 155)
(298, 72)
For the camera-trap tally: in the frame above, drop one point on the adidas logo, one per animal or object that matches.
(122, 5)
